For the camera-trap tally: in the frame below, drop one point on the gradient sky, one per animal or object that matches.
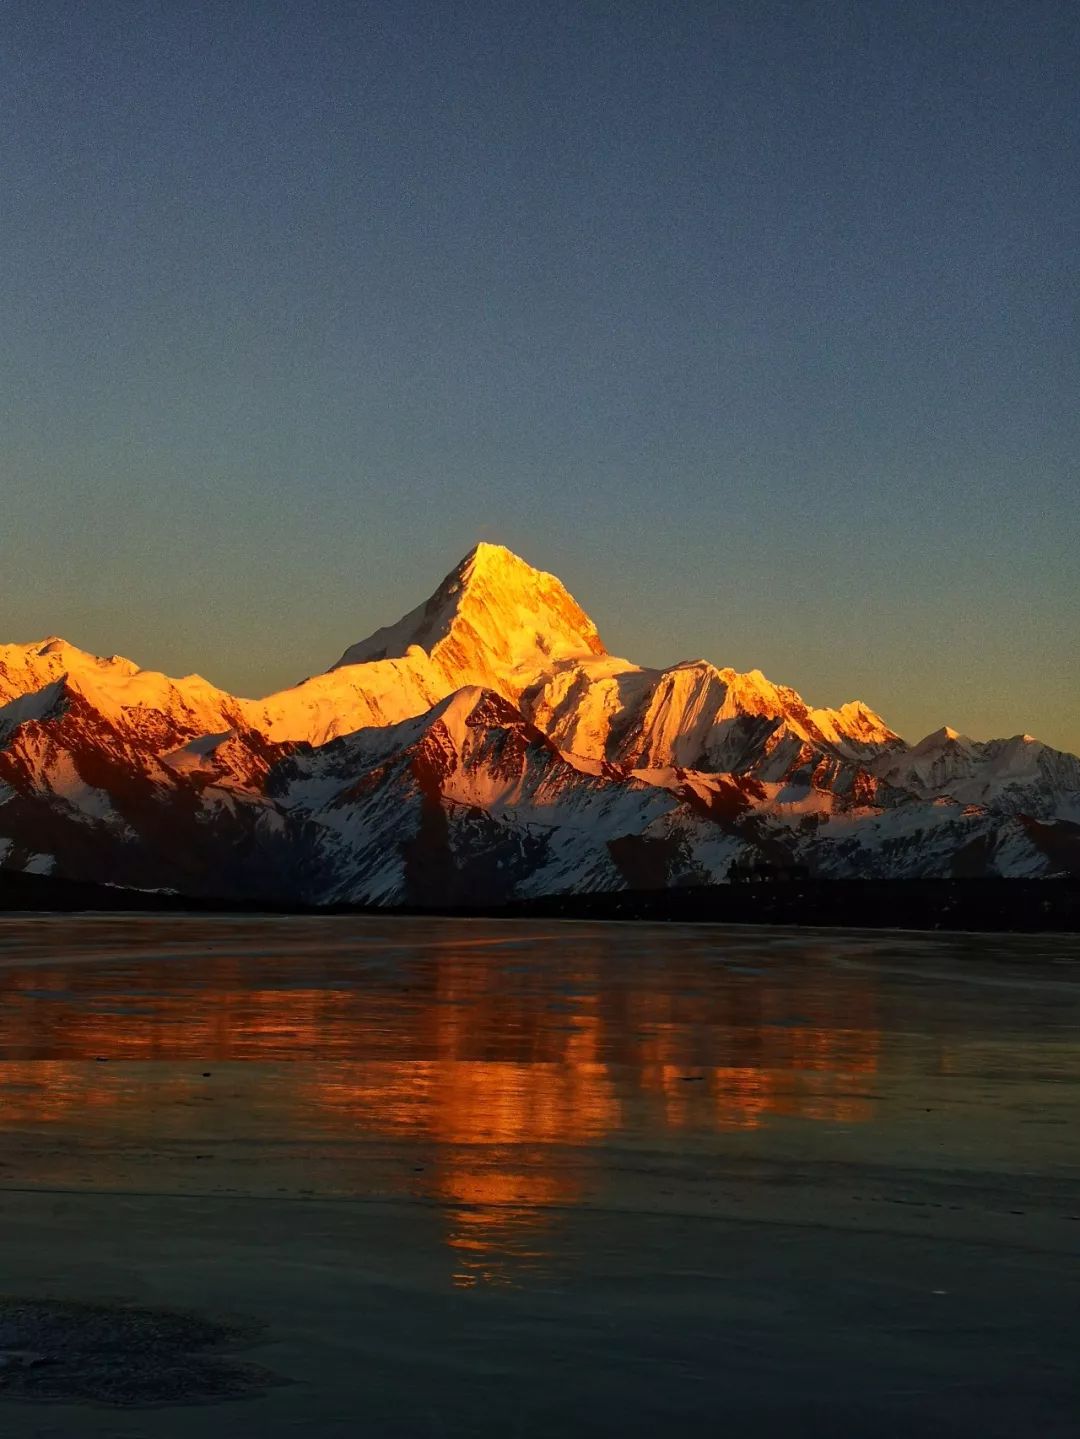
(755, 322)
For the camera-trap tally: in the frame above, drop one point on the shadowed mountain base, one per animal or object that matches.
(984, 905)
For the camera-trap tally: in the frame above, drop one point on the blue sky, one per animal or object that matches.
(756, 323)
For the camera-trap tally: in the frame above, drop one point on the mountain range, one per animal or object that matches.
(485, 748)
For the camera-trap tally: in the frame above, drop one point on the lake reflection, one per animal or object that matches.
(491, 1071)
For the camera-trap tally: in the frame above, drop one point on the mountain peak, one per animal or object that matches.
(940, 738)
(495, 620)
(485, 552)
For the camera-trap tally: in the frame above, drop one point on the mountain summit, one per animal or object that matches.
(494, 620)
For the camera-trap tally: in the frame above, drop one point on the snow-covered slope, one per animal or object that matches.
(494, 620)
(354, 697)
(468, 799)
(94, 782)
(487, 745)
(700, 717)
(1018, 776)
(138, 701)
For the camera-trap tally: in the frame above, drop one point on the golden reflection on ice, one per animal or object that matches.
(493, 1079)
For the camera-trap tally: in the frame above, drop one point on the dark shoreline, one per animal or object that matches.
(988, 905)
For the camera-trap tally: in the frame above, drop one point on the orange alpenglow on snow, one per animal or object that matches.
(487, 746)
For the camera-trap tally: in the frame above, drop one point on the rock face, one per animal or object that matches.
(488, 747)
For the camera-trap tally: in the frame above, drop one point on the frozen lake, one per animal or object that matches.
(517, 1179)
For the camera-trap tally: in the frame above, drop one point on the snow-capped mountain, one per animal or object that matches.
(494, 619)
(1019, 775)
(488, 747)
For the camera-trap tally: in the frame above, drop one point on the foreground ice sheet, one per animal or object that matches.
(482, 1179)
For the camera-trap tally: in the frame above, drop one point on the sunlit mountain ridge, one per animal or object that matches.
(488, 747)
